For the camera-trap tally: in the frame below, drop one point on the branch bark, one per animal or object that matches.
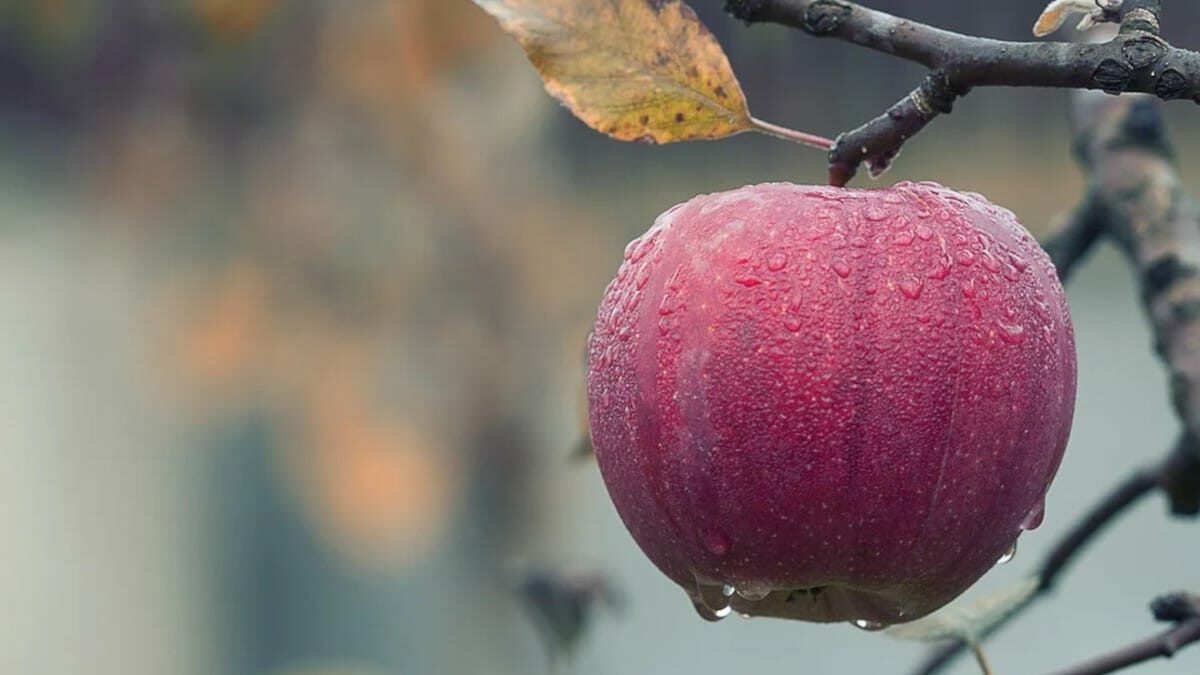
(1136, 60)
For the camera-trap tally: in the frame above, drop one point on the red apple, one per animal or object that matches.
(831, 404)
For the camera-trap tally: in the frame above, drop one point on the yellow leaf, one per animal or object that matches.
(637, 70)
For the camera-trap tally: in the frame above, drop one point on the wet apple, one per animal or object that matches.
(831, 404)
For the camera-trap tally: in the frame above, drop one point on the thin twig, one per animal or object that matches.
(1186, 631)
(1136, 60)
(1072, 238)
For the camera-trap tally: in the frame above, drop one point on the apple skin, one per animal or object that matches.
(831, 404)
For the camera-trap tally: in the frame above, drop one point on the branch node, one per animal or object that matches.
(936, 94)
(1171, 85)
(1143, 51)
(1140, 19)
(1175, 607)
(1112, 76)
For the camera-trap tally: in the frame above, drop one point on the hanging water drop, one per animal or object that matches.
(868, 625)
(712, 600)
(1034, 518)
(1008, 555)
(709, 614)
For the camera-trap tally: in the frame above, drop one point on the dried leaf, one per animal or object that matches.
(1058, 11)
(969, 621)
(637, 70)
(1054, 16)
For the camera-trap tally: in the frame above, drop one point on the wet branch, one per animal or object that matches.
(1135, 199)
(1136, 60)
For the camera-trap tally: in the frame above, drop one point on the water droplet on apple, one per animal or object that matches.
(638, 248)
(667, 325)
(711, 600)
(716, 542)
(1011, 333)
(753, 593)
(911, 288)
(630, 247)
(924, 233)
(841, 269)
(792, 323)
(875, 214)
(776, 262)
(709, 614)
(1008, 555)
(1034, 518)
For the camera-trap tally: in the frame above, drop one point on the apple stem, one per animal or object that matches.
(811, 140)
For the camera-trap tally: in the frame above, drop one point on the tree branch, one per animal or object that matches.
(1136, 60)
(1181, 608)
(1072, 238)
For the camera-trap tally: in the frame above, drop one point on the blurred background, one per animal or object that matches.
(294, 296)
